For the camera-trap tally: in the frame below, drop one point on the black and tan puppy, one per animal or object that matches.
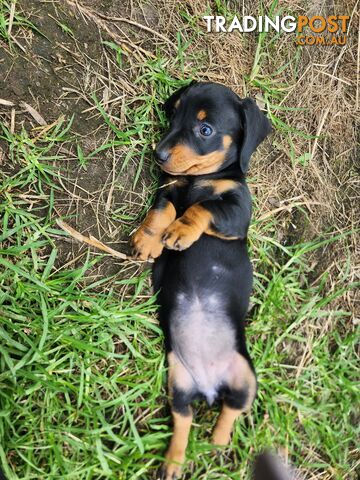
(197, 231)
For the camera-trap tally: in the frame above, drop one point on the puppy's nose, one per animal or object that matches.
(163, 155)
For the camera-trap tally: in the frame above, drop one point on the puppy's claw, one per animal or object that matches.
(164, 238)
(169, 472)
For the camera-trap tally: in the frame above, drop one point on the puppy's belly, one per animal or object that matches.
(203, 340)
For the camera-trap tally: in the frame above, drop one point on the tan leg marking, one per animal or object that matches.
(175, 456)
(187, 229)
(240, 377)
(218, 187)
(224, 425)
(147, 238)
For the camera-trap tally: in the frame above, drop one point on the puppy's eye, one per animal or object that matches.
(205, 130)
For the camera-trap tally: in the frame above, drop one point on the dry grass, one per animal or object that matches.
(318, 87)
(112, 66)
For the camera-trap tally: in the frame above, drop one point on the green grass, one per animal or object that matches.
(18, 22)
(82, 372)
(267, 75)
(143, 110)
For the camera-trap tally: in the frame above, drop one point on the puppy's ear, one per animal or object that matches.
(270, 467)
(256, 127)
(170, 103)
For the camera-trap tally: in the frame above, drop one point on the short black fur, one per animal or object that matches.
(231, 210)
(203, 199)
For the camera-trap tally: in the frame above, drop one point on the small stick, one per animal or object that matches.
(12, 121)
(7, 103)
(94, 242)
(288, 207)
(11, 17)
(36, 115)
(139, 25)
(47, 128)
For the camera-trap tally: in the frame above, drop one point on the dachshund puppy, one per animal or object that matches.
(196, 231)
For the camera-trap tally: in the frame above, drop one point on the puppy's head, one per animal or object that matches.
(210, 128)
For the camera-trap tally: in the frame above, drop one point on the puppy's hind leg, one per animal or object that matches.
(239, 394)
(181, 389)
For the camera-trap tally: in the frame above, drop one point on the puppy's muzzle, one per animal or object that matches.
(163, 155)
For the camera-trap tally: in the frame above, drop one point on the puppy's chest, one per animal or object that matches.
(189, 192)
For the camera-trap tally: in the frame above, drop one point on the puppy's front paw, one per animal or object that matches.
(179, 236)
(146, 244)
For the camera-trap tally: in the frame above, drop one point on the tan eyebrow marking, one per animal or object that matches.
(201, 115)
(177, 103)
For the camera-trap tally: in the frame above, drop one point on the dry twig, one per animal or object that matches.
(92, 241)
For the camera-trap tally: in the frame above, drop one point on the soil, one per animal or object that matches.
(61, 69)
(50, 77)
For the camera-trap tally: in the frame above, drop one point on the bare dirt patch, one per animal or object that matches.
(310, 183)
